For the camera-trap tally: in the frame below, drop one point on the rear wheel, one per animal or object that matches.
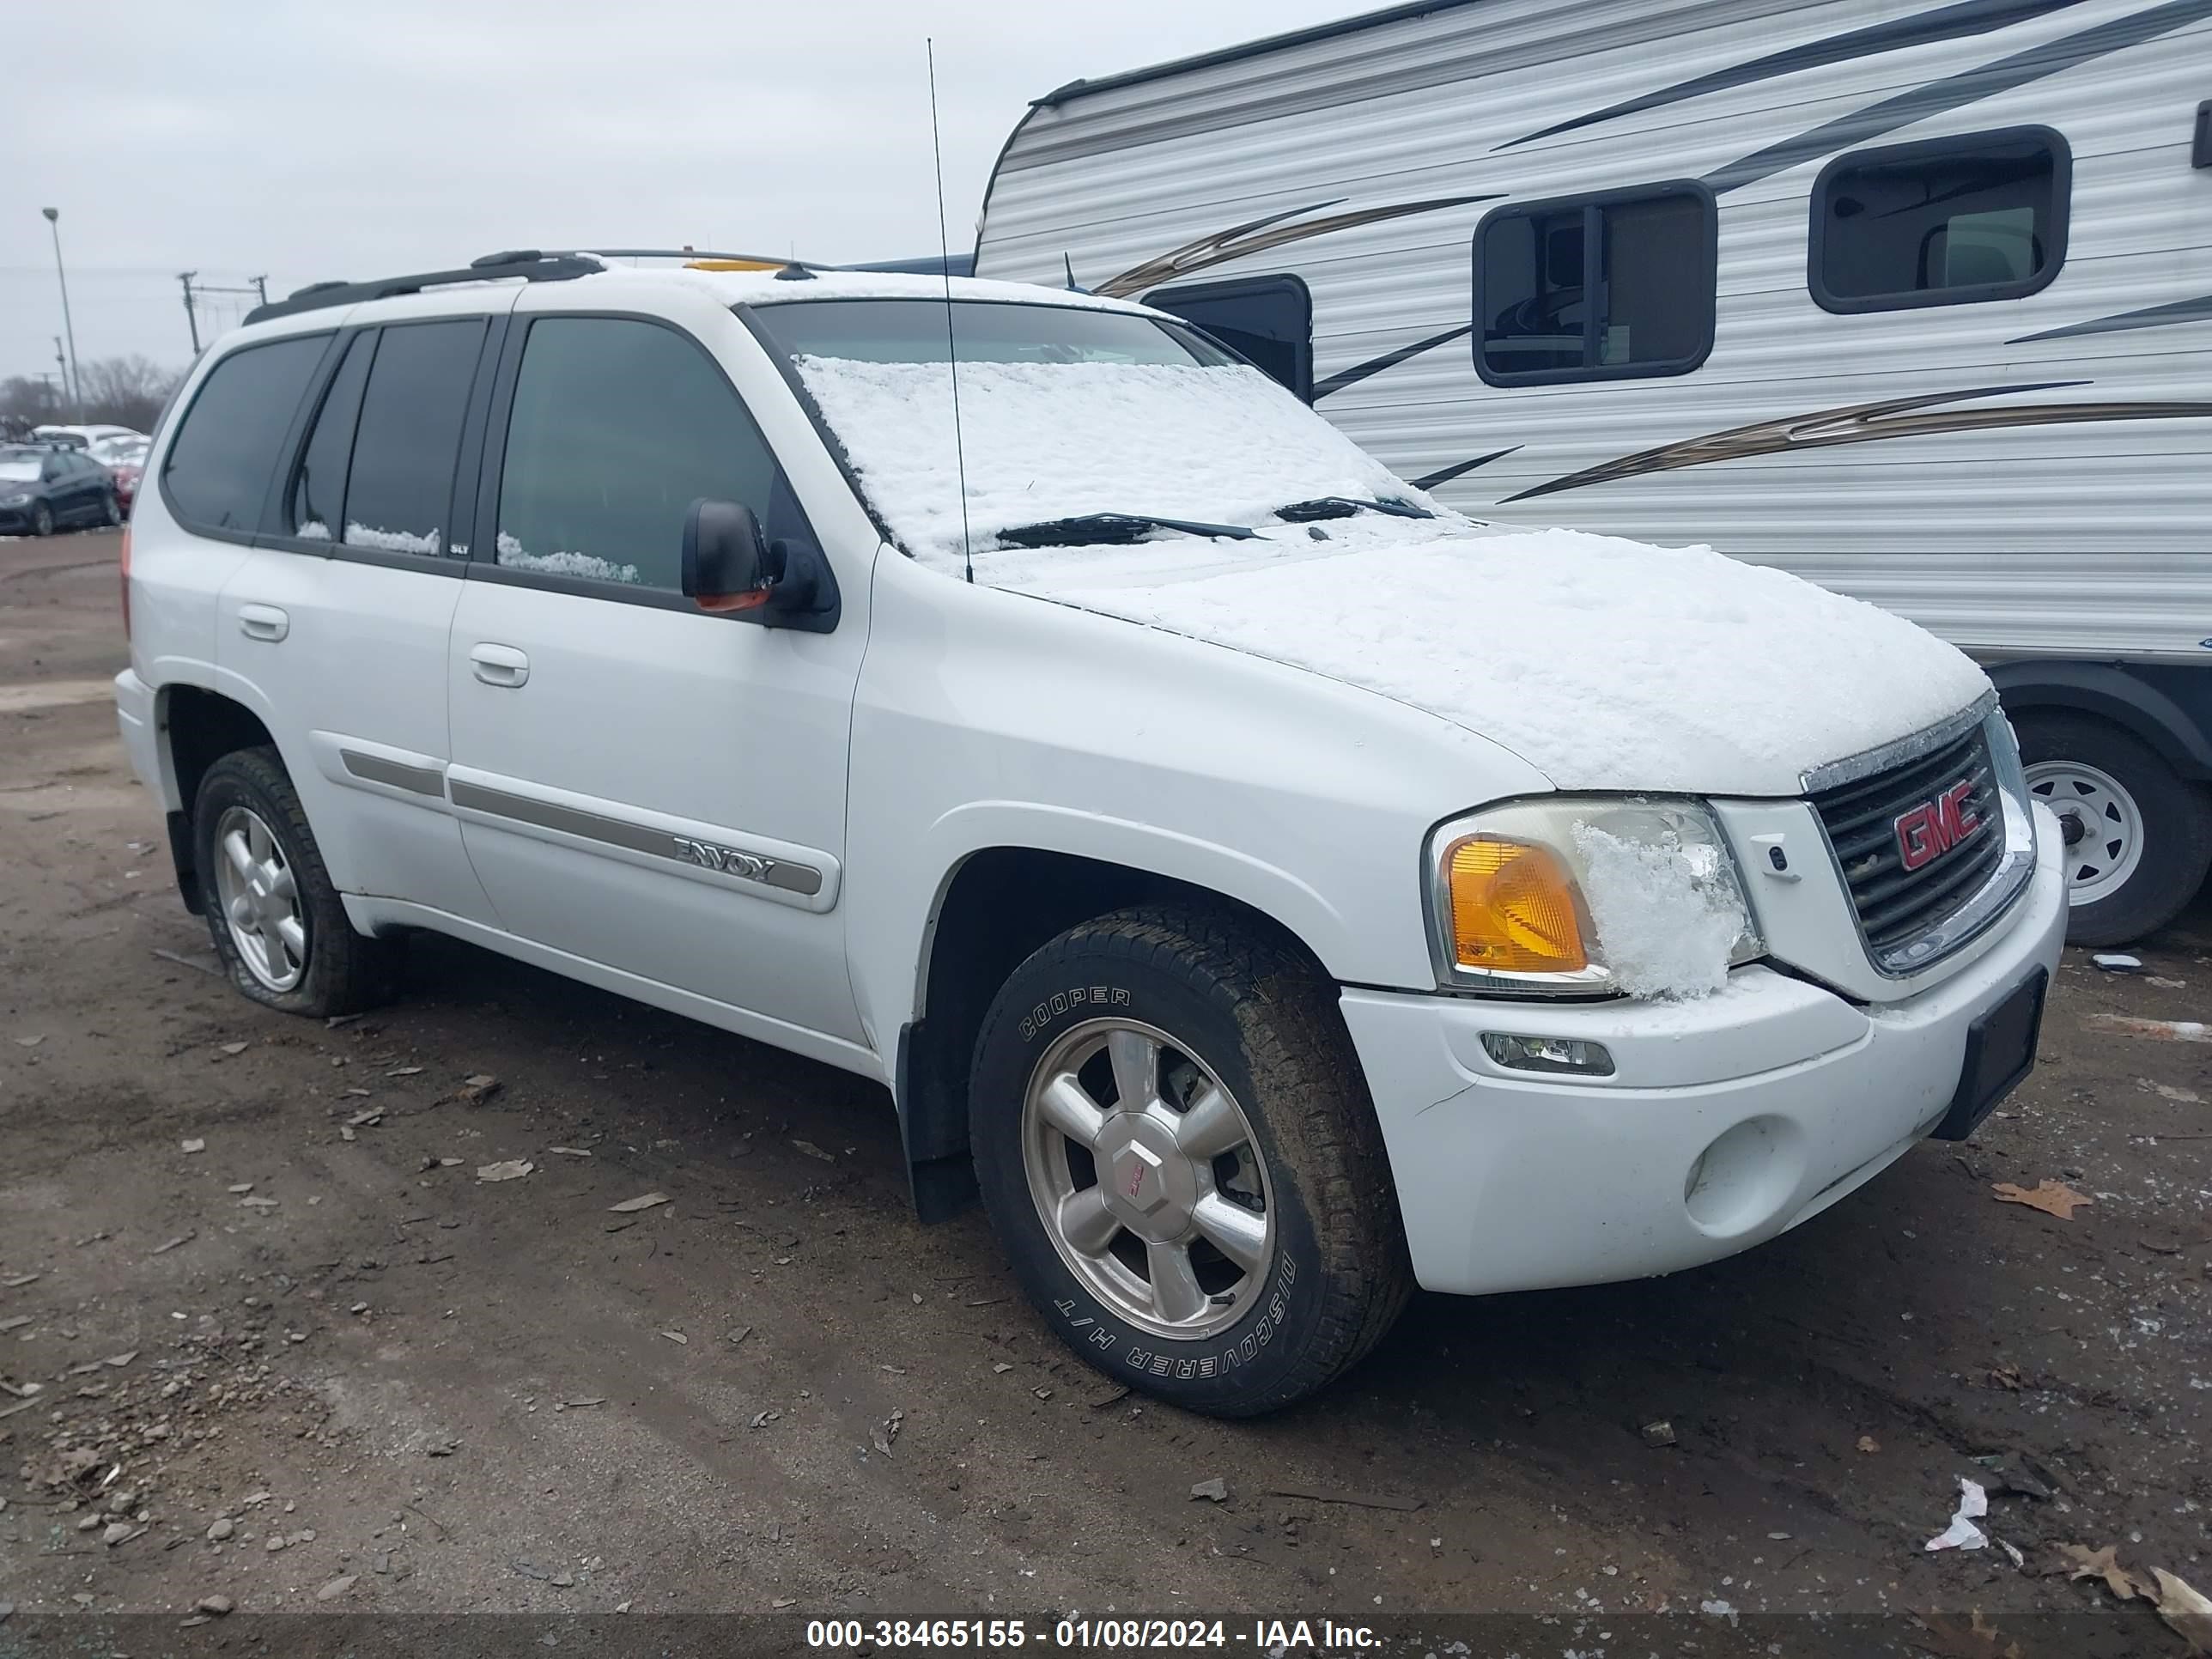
(1178, 1153)
(277, 923)
(2138, 837)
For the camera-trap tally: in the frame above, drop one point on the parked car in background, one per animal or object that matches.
(124, 457)
(83, 437)
(44, 486)
(1265, 888)
(1906, 300)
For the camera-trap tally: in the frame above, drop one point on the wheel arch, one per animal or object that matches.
(196, 726)
(2108, 692)
(995, 907)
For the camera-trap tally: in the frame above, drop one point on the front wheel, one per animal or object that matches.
(1178, 1153)
(42, 519)
(111, 514)
(2138, 837)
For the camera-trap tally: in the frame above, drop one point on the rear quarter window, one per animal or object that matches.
(225, 454)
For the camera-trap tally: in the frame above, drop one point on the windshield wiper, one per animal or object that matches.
(1343, 507)
(1097, 529)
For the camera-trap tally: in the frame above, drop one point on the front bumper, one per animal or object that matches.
(1727, 1121)
(15, 520)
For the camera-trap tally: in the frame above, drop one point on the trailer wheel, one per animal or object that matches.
(2138, 836)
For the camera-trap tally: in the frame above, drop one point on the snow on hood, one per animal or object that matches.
(1606, 664)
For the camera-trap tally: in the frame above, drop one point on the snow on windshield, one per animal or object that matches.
(1052, 441)
(22, 469)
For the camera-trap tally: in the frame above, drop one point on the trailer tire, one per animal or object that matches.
(2139, 835)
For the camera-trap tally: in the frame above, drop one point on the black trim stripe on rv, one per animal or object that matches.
(1865, 424)
(1358, 372)
(1444, 475)
(1951, 22)
(2198, 310)
(1956, 91)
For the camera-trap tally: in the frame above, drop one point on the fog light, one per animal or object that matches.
(1547, 1053)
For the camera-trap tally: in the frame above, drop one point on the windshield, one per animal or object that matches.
(117, 450)
(1064, 412)
(19, 466)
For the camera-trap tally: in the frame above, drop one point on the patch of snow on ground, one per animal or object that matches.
(391, 541)
(1055, 441)
(1665, 926)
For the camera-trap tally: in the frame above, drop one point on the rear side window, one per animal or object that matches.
(407, 439)
(1266, 319)
(219, 467)
(1945, 221)
(1595, 288)
(618, 427)
(317, 495)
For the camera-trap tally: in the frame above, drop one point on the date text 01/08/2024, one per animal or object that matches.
(1101, 1635)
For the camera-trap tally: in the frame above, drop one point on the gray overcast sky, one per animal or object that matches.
(358, 137)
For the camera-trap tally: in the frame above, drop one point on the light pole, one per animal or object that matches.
(76, 383)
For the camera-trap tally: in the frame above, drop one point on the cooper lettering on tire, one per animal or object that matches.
(1176, 1148)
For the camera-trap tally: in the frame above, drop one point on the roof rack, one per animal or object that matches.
(532, 264)
(790, 269)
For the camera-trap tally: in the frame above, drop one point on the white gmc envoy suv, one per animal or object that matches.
(1270, 890)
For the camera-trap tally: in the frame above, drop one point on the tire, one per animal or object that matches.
(42, 519)
(2145, 839)
(1332, 1274)
(322, 967)
(112, 513)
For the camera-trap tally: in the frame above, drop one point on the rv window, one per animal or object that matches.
(1593, 287)
(1946, 222)
(1269, 320)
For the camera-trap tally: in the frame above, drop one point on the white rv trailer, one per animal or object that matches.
(1910, 297)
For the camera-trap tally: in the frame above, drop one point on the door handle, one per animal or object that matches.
(500, 665)
(262, 622)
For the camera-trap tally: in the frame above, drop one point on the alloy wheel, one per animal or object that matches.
(260, 899)
(1147, 1178)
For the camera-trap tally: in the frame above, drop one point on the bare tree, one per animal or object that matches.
(25, 401)
(126, 390)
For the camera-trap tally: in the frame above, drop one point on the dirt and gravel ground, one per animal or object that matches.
(252, 1290)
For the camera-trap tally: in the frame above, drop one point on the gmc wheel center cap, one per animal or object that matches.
(1150, 1186)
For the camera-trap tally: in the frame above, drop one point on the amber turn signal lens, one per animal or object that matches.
(1512, 909)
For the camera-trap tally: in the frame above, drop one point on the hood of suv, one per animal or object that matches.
(1606, 664)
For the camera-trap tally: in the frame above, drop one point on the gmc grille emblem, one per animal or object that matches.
(1935, 827)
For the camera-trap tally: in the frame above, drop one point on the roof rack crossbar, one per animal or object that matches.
(528, 264)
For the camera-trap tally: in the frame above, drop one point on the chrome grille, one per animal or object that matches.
(1896, 905)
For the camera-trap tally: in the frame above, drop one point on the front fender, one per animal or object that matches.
(987, 718)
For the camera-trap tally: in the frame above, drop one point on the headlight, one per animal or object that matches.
(14, 500)
(1569, 897)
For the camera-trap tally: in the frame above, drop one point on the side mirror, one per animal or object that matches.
(725, 558)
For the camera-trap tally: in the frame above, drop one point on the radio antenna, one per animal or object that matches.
(951, 346)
